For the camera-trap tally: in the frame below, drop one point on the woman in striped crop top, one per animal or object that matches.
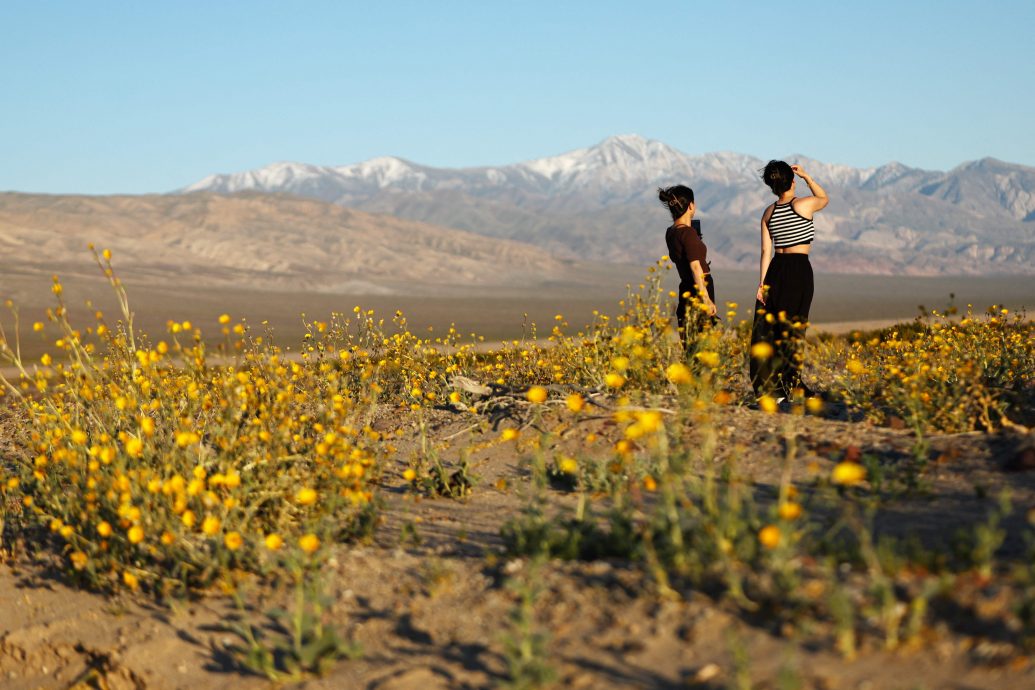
(785, 285)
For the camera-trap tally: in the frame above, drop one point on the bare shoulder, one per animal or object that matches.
(803, 206)
(808, 205)
(767, 214)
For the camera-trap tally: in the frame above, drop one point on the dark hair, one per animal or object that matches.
(779, 176)
(678, 199)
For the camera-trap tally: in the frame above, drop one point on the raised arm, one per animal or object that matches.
(767, 254)
(810, 204)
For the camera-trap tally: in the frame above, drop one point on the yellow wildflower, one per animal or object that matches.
(575, 402)
(186, 438)
(679, 374)
(536, 394)
(848, 473)
(649, 420)
(210, 525)
(309, 542)
(568, 465)
(769, 536)
(708, 358)
(762, 351)
(790, 510)
(134, 447)
(79, 559)
(306, 496)
(232, 480)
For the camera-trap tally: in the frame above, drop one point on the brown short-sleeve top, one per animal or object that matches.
(684, 247)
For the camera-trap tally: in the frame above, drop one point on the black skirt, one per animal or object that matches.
(689, 318)
(781, 323)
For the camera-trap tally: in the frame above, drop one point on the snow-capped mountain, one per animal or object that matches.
(596, 202)
(620, 164)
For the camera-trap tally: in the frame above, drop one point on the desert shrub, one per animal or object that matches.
(941, 374)
(175, 473)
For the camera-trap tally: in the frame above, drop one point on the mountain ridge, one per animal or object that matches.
(594, 203)
(608, 151)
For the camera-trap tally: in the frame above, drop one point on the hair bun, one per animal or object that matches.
(677, 198)
(778, 176)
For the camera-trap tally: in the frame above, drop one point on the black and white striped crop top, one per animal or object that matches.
(787, 228)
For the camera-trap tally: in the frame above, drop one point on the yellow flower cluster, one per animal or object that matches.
(158, 465)
(941, 373)
(161, 464)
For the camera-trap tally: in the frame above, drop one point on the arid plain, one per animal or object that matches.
(843, 302)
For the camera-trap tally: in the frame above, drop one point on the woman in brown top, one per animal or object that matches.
(688, 253)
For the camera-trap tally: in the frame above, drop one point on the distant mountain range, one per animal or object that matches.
(599, 203)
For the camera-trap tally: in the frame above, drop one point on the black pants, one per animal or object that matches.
(781, 323)
(690, 318)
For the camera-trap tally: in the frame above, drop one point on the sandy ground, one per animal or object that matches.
(427, 600)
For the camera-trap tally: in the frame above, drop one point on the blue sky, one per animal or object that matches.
(148, 96)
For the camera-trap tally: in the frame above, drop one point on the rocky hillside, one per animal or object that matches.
(256, 240)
